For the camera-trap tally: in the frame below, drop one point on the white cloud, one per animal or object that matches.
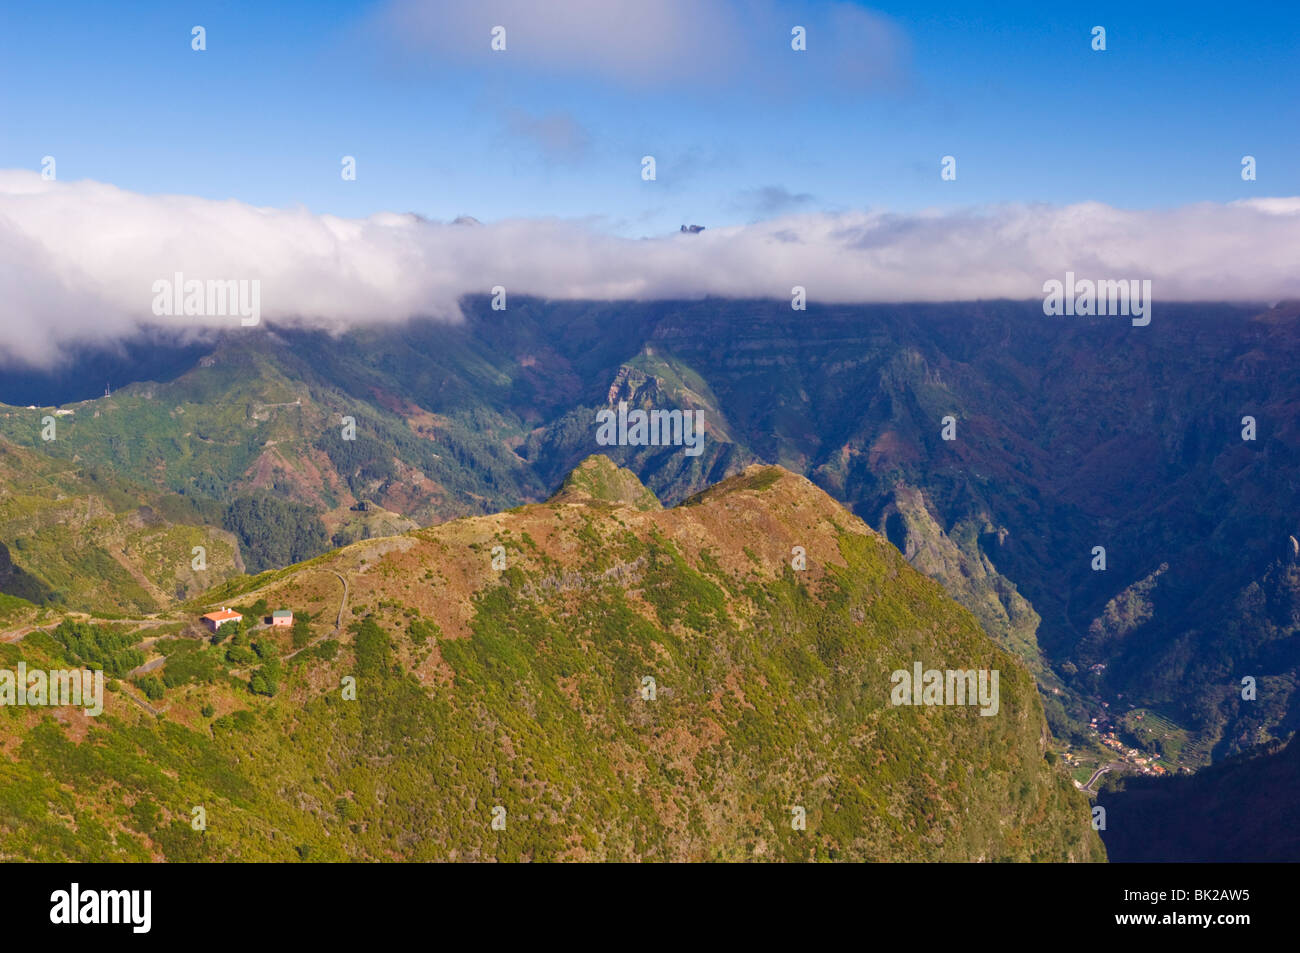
(78, 259)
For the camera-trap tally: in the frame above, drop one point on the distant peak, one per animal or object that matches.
(598, 478)
(465, 220)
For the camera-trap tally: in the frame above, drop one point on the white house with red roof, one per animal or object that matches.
(215, 620)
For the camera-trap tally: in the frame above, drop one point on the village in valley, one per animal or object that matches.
(1139, 741)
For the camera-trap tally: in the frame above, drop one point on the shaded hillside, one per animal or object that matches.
(635, 683)
(1244, 810)
(16, 582)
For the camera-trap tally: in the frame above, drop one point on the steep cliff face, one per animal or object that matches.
(1174, 449)
(609, 679)
(958, 560)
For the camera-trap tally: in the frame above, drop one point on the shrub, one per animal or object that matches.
(152, 687)
(265, 680)
(301, 630)
(240, 655)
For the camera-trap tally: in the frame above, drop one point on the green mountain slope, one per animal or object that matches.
(525, 687)
(83, 537)
(1069, 435)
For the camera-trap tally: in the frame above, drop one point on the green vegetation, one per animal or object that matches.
(362, 462)
(151, 685)
(423, 630)
(476, 417)
(598, 478)
(265, 679)
(189, 661)
(95, 646)
(772, 691)
(240, 655)
(301, 633)
(274, 533)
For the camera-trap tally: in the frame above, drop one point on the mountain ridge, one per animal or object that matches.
(1064, 433)
(522, 684)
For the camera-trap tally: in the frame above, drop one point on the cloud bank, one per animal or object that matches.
(78, 260)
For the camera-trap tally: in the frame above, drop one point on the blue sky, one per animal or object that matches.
(283, 91)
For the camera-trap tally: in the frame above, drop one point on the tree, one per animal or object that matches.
(152, 687)
(265, 680)
(301, 630)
